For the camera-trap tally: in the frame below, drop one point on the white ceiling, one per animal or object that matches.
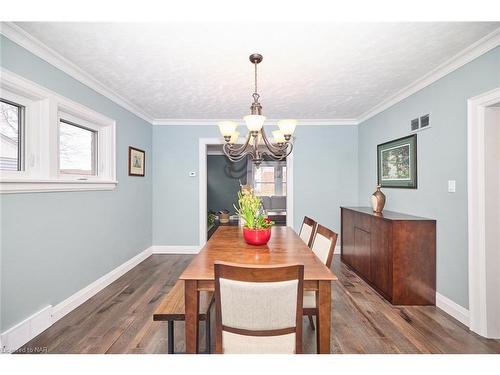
(309, 71)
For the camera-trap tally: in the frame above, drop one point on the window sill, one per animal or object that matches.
(46, 186)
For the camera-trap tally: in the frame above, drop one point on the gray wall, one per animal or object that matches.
(442, 156)
(223, 182)
(54, 244)
(325, 177)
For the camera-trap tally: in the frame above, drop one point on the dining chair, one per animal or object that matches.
(307, 230)
(258, 309)
(323, 245)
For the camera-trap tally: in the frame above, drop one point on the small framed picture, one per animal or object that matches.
(397, 163)
(136, 162)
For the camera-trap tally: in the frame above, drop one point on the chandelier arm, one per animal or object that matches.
(276, 150)
(235, 158)
(284, 155)
(231, 153)
(239, 149)
(289, 151)
(237, 155)
(232, 158)
(268, 144)
(271, 155)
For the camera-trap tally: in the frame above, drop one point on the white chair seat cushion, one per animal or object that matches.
(309, 299)
(241, 344)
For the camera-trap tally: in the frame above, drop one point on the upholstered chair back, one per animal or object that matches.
(307, 230)
(258, 309)
(323, 244)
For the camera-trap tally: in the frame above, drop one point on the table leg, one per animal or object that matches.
(191, 296)
(324, 320)
(170, 337)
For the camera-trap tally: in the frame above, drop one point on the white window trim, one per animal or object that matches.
(41, 143)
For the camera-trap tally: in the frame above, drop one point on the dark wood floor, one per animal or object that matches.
(119, 319)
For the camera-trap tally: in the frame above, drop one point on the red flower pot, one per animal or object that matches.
(256, 237)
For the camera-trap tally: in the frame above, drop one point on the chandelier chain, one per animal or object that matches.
(255, 95)
(255, 64)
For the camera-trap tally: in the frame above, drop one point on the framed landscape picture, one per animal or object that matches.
(136, 162)
(397, 163)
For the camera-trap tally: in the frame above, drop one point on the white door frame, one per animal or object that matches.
(202, 187)
(477, 209)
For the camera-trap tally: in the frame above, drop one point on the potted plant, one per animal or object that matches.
(211, 219)
(257, 226)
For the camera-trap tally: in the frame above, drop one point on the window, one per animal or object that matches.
(270, 178)
(77, 149)
(11, 133)
(51, 143)
(264, 181)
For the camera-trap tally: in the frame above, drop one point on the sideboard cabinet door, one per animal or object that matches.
(347, 237)
(362, 249)
(381, 256)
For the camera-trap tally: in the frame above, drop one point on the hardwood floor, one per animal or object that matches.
(119, 319)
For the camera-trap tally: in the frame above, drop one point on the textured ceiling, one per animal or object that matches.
(313, 71)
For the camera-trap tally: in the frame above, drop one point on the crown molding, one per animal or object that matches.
(213, 122)
(35, 46)
(470, 53)
(27, 41)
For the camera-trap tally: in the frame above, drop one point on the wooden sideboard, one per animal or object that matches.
(395, 253)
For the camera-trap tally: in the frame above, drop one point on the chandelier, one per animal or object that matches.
(279, 150)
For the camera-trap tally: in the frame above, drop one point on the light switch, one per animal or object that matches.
(192, 174)
(451, 186)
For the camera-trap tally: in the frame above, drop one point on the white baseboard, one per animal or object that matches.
(21, 333)
(194, 249)
(84, 294)
(460, 313)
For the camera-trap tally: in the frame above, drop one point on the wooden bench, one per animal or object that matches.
(172, 308)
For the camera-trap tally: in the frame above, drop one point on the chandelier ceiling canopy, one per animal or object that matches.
(257, 144)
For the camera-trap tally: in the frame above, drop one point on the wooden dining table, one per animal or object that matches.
(284, 247)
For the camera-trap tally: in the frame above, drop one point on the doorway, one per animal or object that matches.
(484, 213)
(209, 146)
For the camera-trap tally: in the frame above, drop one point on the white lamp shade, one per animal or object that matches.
(254, 122)
(234, 137)
(278, 136)
(227, 128)
(287, 127)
